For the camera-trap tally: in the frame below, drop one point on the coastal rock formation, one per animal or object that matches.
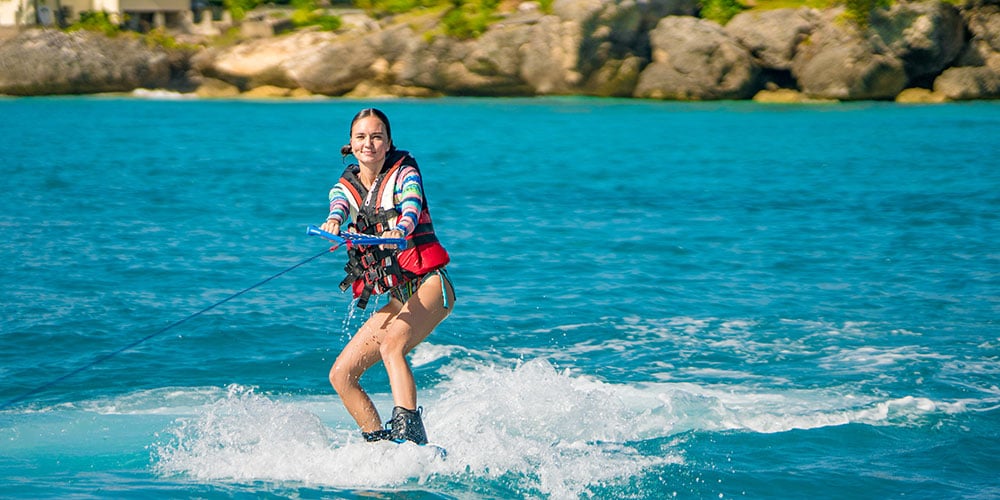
(926, 36)
(920, 96)
(333, 68)
(694, 59)
(841, 61)
(983, 48)
(967, 83)
(261, 61)
(773, 36)
(489, 65)
(44, 62)
(629, 48)
(585, 47)
(597, 47)
(977, 71)
(551, 60)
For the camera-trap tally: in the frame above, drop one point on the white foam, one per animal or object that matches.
(556, 433)
(428, 353)
(161, 94)
(561, 432)
(552, 431)
(248, 437)
(161, 401)
(872, 359)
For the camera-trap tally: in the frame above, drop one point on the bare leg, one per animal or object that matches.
(358, 356)
(414, 322)
(388, 335)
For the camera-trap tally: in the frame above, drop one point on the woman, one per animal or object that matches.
(383, 195)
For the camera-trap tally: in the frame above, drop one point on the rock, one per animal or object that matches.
(496, 59)
(458, 67)
(263, 61)
(267, 92)
(586, 47)
(920, 96)
(45, 62)
(397, 57)
(839, 61)
(926, 36)
(301, 93)
(333, 68)
(550, 57)
(654, 10)
(617, 78)
(610, 31)
(375, 90)
(578, 11)
(694, 59)
(773, 36)
(210, 87)
(787, 96)
(969, 82)
(527, 53)
(983, 47)
(640, 48)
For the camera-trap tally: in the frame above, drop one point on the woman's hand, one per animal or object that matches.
(331, 226)
(392, 233)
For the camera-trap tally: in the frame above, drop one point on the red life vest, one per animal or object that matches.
(371, 270)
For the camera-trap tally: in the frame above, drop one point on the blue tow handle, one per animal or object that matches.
(355, 238)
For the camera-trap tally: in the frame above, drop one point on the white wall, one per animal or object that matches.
(16, 12)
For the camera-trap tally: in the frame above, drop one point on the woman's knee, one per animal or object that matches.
(393, 346)
(341, 377)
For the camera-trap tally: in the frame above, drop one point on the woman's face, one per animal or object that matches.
(369, 141)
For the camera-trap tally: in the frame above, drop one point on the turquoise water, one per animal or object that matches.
(655, 300)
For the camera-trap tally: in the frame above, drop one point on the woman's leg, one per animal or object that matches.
(360, 353)
(415, 321)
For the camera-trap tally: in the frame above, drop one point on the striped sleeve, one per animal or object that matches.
(338, 204)
(409, 198)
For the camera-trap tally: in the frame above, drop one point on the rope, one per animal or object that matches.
(105, 357)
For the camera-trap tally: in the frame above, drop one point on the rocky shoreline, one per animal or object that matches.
(916, 51)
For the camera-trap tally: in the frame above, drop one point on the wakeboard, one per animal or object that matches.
(433, 451)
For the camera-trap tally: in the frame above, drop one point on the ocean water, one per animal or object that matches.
(655, 300)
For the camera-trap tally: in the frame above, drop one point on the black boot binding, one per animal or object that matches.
(379, 435)
(407, 426)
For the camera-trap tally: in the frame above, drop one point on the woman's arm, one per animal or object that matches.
(338, 210)
(409, 199)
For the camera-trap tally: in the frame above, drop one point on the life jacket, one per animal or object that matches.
(370, 269)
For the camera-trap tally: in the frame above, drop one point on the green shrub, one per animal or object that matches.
(385, 7)
(469, 18)
(159, 37)
(98, 21)
(721, 11)
(307, 13)
(860, 11)
(239, 8)
(462, 19)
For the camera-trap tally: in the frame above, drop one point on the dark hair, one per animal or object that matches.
(364, 113)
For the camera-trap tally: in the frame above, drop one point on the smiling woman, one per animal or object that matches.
(383, 195)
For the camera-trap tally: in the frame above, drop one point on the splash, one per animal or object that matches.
(531, 428)
(557, 433)
(524, 428)
(249, 437)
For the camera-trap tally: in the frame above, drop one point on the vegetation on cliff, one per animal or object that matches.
(468, 19)
(463, 19)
